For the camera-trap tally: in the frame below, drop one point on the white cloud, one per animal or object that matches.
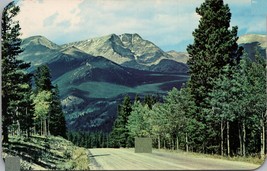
(33, 14)
(161, 21)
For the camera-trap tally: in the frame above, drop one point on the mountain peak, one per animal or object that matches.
(128, 49)
(40, 40)
(114, 37)
(130, 35)
(71, 50)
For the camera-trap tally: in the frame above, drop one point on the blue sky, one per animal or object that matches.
(167, 23)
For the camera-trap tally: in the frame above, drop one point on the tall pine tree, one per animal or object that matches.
(42, 79)
(13, 76)
(57, 119)
(120, 132)
(214, 47)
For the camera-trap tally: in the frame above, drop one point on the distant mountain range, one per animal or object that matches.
(95, 74)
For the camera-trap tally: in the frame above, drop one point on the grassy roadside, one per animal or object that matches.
(247, 159)
(42, 153)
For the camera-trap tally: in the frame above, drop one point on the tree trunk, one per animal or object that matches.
(48, 129)
(34, 129)
(18, 129)
(28, 132)
(244, 138)
(41, 130)
(186, 142)
(45, 128)
(262, 139)
(203, 147)
(172, 144)
(177, 143)
(221, 137)
(27, 129)
(228, 139)
(5, 133)
(18, 124)
(158, 141)
(164, 144)
(240, 139)
(5, 118)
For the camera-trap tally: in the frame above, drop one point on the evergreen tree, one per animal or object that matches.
(120, 133)
(57, 124)
(137, 98)
(42, 79)
(13, 76)
(26, 107)
(150, 100)
(214, 47)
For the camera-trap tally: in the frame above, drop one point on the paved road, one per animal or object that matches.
(126, 159)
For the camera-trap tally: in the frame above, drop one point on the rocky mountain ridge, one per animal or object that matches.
(123, 48)
(128, 50)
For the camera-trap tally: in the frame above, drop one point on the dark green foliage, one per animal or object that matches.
(42, 79)
(214, 47)
(150, 100)
(26, 107)
(120, 134)
(89, 139)
(137, 98)
(14, 79)
(57, 119)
